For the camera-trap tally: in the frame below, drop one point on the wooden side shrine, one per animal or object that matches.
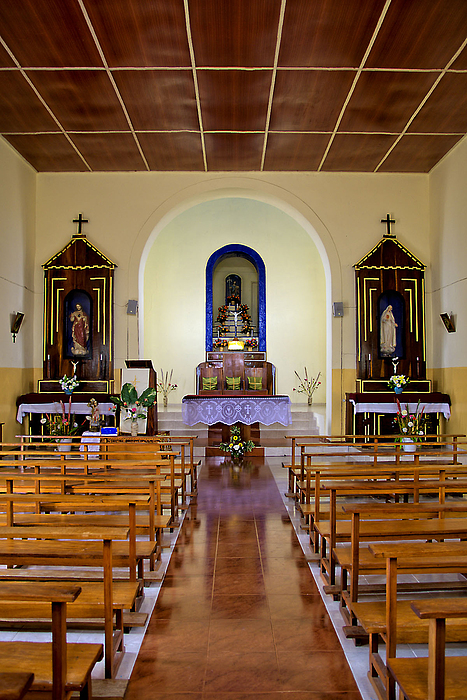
(78, 332)
(391, 339)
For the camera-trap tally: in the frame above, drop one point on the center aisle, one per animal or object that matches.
(239, 614)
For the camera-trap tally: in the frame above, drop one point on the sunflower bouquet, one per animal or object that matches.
(236, 446)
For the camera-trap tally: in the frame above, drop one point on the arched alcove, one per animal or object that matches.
(173, 286)
(251, 255)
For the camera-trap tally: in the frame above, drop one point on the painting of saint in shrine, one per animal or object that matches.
(233, 290)
(391, 325)
(78, 324)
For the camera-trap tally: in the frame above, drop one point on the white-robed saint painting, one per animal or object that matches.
(388, 333)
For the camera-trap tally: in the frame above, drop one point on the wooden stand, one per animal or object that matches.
(151, 428)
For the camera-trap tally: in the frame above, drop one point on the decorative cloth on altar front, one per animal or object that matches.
(236, 409)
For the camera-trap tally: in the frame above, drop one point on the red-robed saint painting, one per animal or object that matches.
(78, 325)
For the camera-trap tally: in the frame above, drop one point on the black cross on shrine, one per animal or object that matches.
(388, 221)
(80, 221)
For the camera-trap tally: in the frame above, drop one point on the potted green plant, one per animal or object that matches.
(134, 407)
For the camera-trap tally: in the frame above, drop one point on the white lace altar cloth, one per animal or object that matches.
(236, 409)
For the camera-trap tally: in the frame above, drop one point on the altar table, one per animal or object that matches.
(429, 403)
(236, 409)
(50, 403)
(373, 413)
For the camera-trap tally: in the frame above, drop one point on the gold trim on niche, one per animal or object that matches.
(360, 265)
(54, 295)
(413, 304)
(44, 330)
(359, 330)
(47, 265)
(110, 317)
(366, 292)
(101, 305)
(423, 318)
(98, 290)
(81, 267)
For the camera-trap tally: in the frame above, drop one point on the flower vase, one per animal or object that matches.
(65, 444)
(134, 428)
(68, 392)
(310, 400)
(165, 401)
(398, 389)
(408, 444)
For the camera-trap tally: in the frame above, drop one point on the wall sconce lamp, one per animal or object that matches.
(448, 320)
(16, 325)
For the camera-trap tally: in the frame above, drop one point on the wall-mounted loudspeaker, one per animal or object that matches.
(16, 325)
(338, 309)
(132, 307)
(448, 321)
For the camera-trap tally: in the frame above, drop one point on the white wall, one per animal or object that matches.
(17, 289)
(174, 289)
(448, 240)
(127, 211)
(448, 291)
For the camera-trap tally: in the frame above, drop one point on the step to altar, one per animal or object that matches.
(170, 420)
(274, 439)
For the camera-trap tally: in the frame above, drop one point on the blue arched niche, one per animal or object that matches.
(251, 255)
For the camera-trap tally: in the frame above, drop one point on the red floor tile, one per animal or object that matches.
(239, 616)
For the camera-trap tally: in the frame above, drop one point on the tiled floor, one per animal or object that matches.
(239, 614)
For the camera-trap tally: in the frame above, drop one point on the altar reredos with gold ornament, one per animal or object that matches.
(78, 317)
(390, 284)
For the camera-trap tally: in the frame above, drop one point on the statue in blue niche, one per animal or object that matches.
(233, 290)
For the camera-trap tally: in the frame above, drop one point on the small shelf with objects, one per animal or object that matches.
(391, 343)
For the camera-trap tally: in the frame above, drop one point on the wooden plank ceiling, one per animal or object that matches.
(233, 85)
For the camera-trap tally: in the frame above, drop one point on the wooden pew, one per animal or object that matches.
(163, 464)
(128, 554)
(147, 448)
(57, 667)
(112, 483)
(392, 618)
(313, 510)
(328, 531)
(379, 456)
(78, 547)
(383, 522)
(164, 442)
(356, 447)
(14, 686)
(437, 677)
